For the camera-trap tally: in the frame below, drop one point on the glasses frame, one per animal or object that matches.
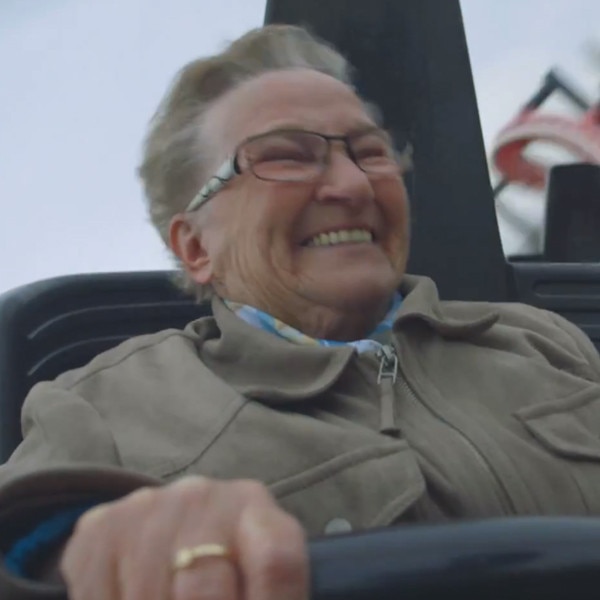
(231, 168)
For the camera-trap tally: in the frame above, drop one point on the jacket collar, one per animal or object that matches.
(449, 319)
(263, 366)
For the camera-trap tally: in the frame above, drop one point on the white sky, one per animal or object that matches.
(79, 80)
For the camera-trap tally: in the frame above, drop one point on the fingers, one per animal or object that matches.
(85, 562)
(143, 559)
(213, 578)
(189, 515)
(267, 548)
(272, 555)
(125, 550)
(211, 506)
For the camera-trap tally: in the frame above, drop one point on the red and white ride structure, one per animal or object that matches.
(580, 136)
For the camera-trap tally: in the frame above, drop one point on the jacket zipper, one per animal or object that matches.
(386, 378)
(468, 443)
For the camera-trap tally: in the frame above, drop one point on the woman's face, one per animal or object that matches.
(255, 238)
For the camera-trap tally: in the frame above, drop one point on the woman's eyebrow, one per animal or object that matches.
(357, 128)
(363, 128)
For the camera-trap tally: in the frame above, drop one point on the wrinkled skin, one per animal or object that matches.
(247, 241)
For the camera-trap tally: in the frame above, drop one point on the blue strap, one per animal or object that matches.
(43, 537)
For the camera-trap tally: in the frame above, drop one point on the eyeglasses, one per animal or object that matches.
(301, 156)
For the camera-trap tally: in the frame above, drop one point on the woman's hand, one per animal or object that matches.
(124, 550)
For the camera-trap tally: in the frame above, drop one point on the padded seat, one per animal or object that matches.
(59, 324)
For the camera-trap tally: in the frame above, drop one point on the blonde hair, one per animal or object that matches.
(175, 152)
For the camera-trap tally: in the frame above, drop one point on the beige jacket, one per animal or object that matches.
(494, 410)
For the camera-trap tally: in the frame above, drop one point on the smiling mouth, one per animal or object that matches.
(342, 236)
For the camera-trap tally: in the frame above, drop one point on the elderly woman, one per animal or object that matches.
(329, 392)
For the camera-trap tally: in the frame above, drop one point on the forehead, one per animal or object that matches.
(293, 98)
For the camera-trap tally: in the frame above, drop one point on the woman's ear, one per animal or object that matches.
(185, 239)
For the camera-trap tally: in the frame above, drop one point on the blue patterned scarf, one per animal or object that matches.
(266, 322)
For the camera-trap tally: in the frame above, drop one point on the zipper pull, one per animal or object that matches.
(388, 373)
(388, 365)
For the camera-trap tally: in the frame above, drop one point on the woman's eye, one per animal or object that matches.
(281, 153)
(371, 151)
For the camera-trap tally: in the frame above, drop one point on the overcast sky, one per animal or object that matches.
(80, 78)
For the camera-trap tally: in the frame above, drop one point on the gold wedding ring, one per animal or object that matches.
(187, 556)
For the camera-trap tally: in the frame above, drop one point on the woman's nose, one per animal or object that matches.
(344, 181)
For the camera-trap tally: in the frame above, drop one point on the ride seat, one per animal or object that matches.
(51, 326)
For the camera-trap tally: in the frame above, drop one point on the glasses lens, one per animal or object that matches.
(285, 156)
(374, 153)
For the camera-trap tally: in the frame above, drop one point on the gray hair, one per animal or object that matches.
(175, 152)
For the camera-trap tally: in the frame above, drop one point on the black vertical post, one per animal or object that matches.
(411, 59)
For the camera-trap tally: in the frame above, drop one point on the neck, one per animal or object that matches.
(343, 324)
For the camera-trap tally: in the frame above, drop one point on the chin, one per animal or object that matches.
(366, 295)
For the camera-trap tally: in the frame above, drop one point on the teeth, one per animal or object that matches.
(342, 236)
